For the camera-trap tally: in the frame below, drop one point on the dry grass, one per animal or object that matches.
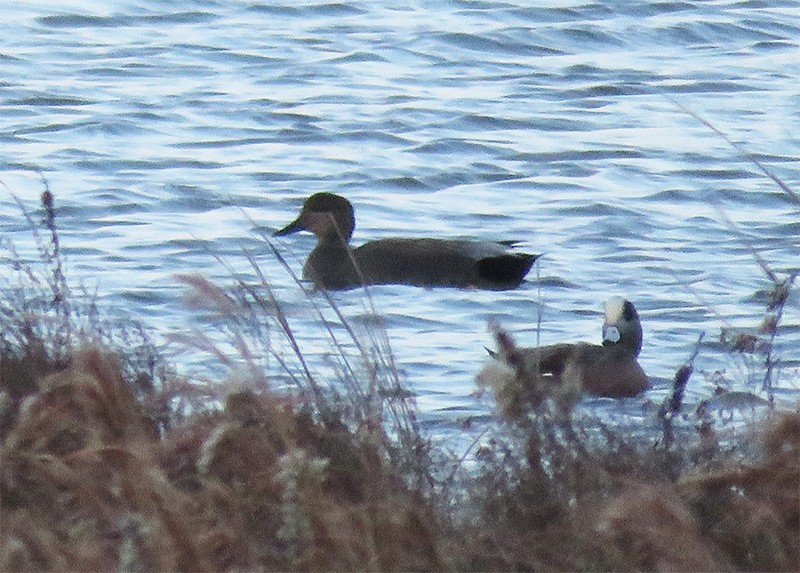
(567, 493)
(103, 468)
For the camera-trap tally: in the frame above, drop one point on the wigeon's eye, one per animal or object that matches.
(629, 311)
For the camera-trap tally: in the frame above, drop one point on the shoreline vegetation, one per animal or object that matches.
(109, 460)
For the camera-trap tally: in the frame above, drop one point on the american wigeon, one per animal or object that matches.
(333, 264)
(610, 369)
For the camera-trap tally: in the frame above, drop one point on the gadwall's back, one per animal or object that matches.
(441, 262)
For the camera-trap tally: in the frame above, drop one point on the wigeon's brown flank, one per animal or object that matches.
(426, 262)
(610, 369)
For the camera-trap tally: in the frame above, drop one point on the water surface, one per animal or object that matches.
(170, 132)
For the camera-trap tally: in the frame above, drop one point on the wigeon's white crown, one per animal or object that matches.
(614, 307)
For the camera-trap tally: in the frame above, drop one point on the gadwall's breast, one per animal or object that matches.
(331, 267)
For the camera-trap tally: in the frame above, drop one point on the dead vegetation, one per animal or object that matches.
(103, 466)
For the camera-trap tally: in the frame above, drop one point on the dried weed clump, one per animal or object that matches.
(44, 319)
(88, 483)
(318, 478)
(560, 491)
(79, 483)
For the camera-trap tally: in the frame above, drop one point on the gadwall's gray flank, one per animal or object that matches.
(333, 264)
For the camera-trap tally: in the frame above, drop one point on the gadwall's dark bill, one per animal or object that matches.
(610, 369)
(333, 264)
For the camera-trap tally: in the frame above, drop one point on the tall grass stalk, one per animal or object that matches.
(362, 389)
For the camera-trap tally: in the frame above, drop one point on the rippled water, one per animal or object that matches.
(162, 127)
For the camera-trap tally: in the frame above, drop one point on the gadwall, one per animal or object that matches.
(610, 369)
(333, 264)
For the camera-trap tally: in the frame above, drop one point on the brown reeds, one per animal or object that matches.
(106, 463)
(43, 320)
(79, 477)
(88, 483)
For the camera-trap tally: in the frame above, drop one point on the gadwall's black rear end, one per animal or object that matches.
(506, 271)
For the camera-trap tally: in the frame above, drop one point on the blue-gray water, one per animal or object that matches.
(162, 127)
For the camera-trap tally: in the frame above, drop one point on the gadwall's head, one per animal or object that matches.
(621, 326)
(327, 215)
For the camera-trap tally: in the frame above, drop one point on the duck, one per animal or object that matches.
(610, 369)
(423, 262)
